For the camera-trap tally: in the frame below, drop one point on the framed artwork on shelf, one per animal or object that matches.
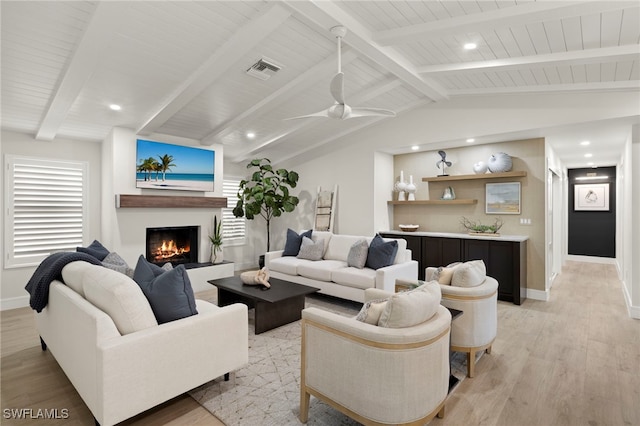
(502, 198)
(591, 196)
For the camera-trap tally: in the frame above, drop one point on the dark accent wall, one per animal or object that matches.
(592, 233)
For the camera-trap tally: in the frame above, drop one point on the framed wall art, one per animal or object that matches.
(591, 196)
(502, 198)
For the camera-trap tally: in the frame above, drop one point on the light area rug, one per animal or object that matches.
(267, 391)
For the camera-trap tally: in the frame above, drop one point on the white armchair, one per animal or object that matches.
(373, 374)
(476, 329)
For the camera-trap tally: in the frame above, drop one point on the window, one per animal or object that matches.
(233, 228)
(47, 208)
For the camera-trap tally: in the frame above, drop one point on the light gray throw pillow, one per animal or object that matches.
(357, 256)
(310, 250)
(117, 263)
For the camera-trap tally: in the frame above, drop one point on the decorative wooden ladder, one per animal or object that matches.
(325, 209)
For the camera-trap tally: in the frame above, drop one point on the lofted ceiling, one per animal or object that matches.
(179, 68)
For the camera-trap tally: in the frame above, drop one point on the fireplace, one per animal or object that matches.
(175, 244)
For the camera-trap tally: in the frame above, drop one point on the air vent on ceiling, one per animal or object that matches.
(263, 69)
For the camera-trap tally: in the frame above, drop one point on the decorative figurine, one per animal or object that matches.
(443, 162)
(448, 194)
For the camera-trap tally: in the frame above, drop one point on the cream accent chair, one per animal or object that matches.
(375, 375)
(476, 329)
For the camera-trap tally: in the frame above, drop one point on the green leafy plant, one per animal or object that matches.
(266, 193)
(473, 226)
(216, 239)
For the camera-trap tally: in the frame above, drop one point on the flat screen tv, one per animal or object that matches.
(178, 167)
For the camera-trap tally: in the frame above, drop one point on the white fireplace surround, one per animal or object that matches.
(124, 230)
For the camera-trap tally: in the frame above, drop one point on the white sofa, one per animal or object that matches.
(333, 276)
(122, 373)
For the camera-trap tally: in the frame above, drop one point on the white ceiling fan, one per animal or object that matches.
(340, 110)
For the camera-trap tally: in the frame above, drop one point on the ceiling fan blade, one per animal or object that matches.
(337, 87)
(371, 112)
(323, 113)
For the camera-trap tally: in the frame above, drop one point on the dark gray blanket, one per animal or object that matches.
(50, 269)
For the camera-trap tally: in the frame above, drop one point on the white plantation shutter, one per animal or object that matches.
(46, 208)
(233, 228)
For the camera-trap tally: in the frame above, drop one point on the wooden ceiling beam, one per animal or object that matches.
(521, 14)
(281, 95)
(325, 15)
(82, 65)
(578, 57)
(607, 86)
(240, 43)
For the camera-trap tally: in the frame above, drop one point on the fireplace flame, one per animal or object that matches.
(169, 249)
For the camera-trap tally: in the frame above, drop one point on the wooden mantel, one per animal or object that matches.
(168, 201)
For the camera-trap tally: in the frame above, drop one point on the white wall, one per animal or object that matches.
(351, 161)
(124, 229)
(13, 281)
(628, 232)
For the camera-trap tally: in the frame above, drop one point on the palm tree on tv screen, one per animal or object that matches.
(147, 166)
(166, 162)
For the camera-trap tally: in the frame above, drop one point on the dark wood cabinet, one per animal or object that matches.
(415, 245)
(504, 263)
(437, 251)
(506, 260)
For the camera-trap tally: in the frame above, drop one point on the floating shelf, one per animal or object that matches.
(474, 177)
(434, 202)
(168, 201)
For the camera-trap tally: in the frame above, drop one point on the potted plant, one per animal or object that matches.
(216, 239)
(266, 193)
(474, 227)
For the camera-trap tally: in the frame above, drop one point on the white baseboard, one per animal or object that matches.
(538, 294)
(14, 303)
(591, 259)
(634, 311)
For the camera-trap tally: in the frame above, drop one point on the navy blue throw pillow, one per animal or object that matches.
(95, 249)
(169, 292)
(292, 246)
(381, 253)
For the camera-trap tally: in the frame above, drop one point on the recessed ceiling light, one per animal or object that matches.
(251, 135)
(588, 155)
(590, 163)
(585, 143)
(470, 46)
(471, 140)
(415, 147)
(115, 107)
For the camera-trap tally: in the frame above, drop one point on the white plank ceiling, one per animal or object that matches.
(179, 68)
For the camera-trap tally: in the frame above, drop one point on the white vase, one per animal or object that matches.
(216, 255)
(411, 189)
(500, 162)
(480, 168)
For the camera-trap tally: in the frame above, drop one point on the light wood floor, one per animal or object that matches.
(574, 360)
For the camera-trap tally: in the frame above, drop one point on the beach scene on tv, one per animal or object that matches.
(167, 166)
